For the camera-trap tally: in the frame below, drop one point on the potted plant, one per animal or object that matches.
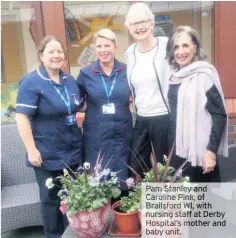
(85, 198)
(129, 207)
(126, 210)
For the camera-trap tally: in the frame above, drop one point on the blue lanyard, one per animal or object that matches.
(67, 102)
(108, 94)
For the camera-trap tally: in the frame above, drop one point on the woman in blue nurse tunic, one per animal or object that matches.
(107, 126)
(47, 101)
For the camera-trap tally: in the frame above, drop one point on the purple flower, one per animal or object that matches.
(80, 169)
(130, 182)
(97, 168)
(103, 178)
(105, 174)
(64, 192)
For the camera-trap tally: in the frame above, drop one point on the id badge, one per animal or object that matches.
(70, 119)
(108, 108)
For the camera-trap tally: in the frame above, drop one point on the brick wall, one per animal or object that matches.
(232, 131)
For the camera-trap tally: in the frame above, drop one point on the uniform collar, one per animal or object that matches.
(96, 67)
(42, 72)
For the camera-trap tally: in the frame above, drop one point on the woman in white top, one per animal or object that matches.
(147, 72)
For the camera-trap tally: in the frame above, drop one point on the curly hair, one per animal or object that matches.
(199, 55)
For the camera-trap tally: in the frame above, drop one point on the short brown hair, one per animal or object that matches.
(43, 43)
(200, 54)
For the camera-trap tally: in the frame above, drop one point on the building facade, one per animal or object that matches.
(24, 24)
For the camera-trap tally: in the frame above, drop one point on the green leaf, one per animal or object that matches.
(97, 204)
(115, 192)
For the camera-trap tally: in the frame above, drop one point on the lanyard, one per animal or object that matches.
(108, 94)
(67, 102)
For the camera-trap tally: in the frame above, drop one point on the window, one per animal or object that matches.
(18, 53)
(83, 19)
(199, 15)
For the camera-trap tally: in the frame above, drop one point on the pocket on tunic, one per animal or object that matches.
(45, 145)
(76, 137)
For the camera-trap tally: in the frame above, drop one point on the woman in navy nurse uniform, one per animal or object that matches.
(108, 121)
(47, 101)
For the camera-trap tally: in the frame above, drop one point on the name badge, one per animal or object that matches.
(70, 119)
(108, 108)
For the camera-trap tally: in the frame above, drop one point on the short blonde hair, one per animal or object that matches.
(135, 9)
(107, 34)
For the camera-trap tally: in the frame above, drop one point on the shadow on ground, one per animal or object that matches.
(27, 232)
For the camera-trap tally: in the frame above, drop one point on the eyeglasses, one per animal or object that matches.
(143, 23)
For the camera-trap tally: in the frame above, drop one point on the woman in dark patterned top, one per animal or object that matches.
(198, 118)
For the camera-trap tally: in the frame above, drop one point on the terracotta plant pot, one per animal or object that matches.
(140, 215)
(127, 223)
(91, 224)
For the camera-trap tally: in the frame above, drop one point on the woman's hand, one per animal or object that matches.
(79, 118)
(209, 162)
(26, 135)
(35, 158)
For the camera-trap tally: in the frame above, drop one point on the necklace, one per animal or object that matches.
(150, 48)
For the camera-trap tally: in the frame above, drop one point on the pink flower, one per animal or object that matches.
(130, 182)
(63, 207)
